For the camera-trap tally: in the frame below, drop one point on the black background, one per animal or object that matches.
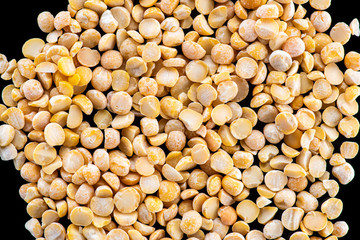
(18, 24)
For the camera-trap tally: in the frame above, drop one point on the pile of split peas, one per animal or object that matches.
(183, 119)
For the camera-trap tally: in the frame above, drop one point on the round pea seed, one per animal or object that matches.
(91, 138)
(286, 122)
(88, 57)
(127, 200)
(222, 54)
(196, 70)
(221, 114)
(46, 21)
(81, 216)
(200, 153)
(168, 191)
(315, 221)
(33, 47)
(266, 28)
(221, 162)
(191, 222)
(7, 134)
(121, 103)
(247, 210)
(275, 180)
(44, 154)
(280, 60)
(320, 4)
(54, 134)
(149, 28)
(191, 119)
(246, 67)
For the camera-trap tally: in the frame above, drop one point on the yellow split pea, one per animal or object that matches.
(173, 150)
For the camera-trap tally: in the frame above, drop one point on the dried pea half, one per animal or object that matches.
(181, 99)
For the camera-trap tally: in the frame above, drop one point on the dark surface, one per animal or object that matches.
(18, 24)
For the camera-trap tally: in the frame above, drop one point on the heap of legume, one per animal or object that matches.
(131, 120)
